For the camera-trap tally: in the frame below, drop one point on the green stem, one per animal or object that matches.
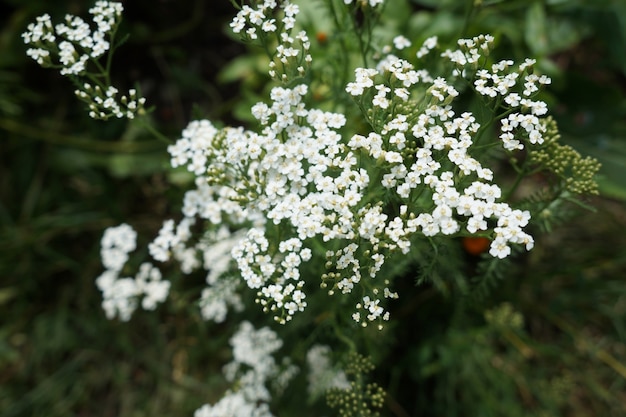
(341, 80)
(343, 337)
(158, 135)
(107, 68)
(363, 46)
(64, 140)
(468, 16)
(520, 176)
(96, 82)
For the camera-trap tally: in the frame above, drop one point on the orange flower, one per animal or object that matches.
(475, 245)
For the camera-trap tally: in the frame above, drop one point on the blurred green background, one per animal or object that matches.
(64, 178)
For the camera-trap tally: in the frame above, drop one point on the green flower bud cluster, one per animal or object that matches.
(577, 173)
(361, 399)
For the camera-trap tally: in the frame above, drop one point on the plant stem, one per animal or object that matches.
(520, 176)
(65, 140)
(343, 337)
(158, 135)
(468, 16)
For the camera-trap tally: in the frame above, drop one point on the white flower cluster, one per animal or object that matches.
(300, 174)
(298, 179)
(171, 241)
(430, 151)
(120, 294)
(470, 52)
(105, 103)
(79, 43)
(372, 3)
(496, 84)
(502, 82)
(252, 367)
(292, 56)
(222, 291)
(296, 173)
(371, 308)
(212, 253)
(261, 18)
(74, 44)
(322, 375)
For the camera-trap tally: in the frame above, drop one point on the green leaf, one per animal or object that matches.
(564, 34)
(244, 67)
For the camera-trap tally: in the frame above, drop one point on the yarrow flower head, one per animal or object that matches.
(322, 375)
(371, 3)
(70, 47)
(300, 173)
(79, 42)
(292, 57)
(252, 369)
(120, 294)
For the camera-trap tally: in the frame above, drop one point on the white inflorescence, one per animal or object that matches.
(120, 294)
(322, 375)
(78, 42)
(292, 52)
(300, 173)
(301, 176)
(252, 368)
(372, 3)
(295, 172)
(438, 133)
(74, 43)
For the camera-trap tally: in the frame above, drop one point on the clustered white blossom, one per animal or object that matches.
(251, 369)
(322, 374)
(296, 173)
(171, 241)
(78, 43)
(120, 294)
(73, 44)
(223, 289)
(372, 3)
(292, 53)
(105, 103)
(299, 174)
(212, 253)
(439, 145)
(276, 177)
(301, 178)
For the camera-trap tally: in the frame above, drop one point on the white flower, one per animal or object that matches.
(252, 348)
(499, 248)
(148, 282)
(401, 42)
(322, 375)
(427, 46)
(116, 243)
